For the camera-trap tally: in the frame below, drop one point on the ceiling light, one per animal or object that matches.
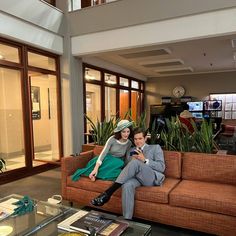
(175, 70)
(233, 43)
(163, 63)
(234, 56)
(1, 57)
(151, 53)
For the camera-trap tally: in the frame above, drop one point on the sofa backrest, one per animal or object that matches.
(173, 164)
(97, 150)
(209, 167)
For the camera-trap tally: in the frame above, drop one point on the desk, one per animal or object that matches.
(45, 217)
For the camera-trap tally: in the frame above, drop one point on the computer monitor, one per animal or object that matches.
(197, 115)
(195, 106)
(213, 105)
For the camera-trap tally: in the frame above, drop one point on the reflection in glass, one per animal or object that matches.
(110, 79)
(110, 103)
(124, 102)
(41, 61)
(9, 53)
(45, 117)
(124, 82)
(135, 105)
(11, 119)
(93, 102)
(134, 84)
(91, 74)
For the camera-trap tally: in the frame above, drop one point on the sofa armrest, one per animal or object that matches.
(70, 164)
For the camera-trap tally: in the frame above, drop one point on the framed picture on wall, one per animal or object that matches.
(35, 98)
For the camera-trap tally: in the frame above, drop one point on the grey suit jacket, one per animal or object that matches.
(155, 156)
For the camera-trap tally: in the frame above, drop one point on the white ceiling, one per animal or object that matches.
(192, 57)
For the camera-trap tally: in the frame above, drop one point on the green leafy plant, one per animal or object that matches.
(101, 131)
(177, 137)
(141, 120)
(2, 165)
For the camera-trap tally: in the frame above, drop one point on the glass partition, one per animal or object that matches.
(9, 53)
(124, 102)
(45, 116)
(12, 149)
(110, 103)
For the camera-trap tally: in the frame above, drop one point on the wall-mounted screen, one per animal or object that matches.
(213, 105)
(197, 115)
(195, 106)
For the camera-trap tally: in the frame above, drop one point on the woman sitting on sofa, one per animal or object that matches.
(109, 163)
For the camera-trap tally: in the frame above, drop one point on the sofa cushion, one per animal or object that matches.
(159, 194)
(212, 197)
(209, 167)
(173, 164)
(86, 184)
(148, 194)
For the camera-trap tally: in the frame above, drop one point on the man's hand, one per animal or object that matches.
(139, 156)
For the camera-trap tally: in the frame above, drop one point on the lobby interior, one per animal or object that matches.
(160, 45)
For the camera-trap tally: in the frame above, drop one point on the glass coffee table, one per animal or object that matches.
(44, 219)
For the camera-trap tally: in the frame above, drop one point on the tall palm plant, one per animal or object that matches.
(101, 131)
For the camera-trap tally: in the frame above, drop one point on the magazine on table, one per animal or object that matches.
(91, 223)
(7, 207)
(116, 228)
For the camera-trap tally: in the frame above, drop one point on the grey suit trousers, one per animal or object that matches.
(135, 173)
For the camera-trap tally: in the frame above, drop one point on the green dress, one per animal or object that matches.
(109, 170)
(111, 161)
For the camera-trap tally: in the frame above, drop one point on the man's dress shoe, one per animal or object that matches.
(100, 200)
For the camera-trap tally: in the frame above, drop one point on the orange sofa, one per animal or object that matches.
(199, 192)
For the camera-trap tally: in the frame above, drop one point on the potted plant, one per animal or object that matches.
(2, 165)
(177, 137)
(102, 130)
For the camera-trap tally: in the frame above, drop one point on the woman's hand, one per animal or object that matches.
(93, 174)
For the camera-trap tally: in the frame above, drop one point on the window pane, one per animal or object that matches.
(9, 53)
(134, 84)
(124, 82)
(45, 117)
(110, 79)
(91, 74)
(93, 102)
(41, 61)
(124, 102)
(11, 119)
(135, 104)
(110, 103)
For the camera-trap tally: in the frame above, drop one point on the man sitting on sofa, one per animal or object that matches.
(145, 167)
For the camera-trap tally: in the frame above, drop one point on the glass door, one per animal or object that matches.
(12, 147)
(44, 117)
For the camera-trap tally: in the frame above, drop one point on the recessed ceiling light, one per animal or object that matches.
(233, 43)
(175, 70)
(163, 63)
(1, 57)
(150, 53)
(234, 56)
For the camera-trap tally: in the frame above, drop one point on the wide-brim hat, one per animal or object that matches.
(122, 125)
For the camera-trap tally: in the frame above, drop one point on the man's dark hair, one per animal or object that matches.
(139, 130)
(185, 106)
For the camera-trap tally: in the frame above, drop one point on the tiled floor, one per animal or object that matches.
(44, 185)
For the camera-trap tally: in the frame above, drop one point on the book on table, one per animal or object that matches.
(7, 207)
(92, 222)
(115, 228)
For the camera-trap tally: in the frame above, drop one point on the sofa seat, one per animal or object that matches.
(211, 197)
(157, 194)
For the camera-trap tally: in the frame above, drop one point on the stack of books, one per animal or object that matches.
(93, 223)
